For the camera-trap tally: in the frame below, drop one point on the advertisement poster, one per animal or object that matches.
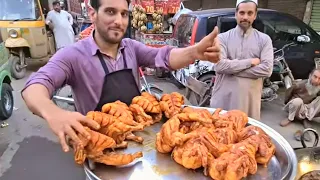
(161, 5)
(173, 6)
(148, 5)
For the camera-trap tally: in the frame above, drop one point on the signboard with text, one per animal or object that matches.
(173, 6)
(148, 5)
(166, 6)
(161, 5)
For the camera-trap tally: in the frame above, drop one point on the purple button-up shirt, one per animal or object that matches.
(78, 66)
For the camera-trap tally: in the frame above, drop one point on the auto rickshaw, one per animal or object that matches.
(23, 28)
(6, 97)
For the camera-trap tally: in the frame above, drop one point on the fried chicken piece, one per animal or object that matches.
(250, 131)
(171, 104)
(202, 112)
(148, 102)
(235, 164)
(93, 147)
(211, 142)
(216, 116)
(234, 119)
(122, 104)
(165, 140)
(193, 117)
(256, 136)
(157, 117)
(93, 150)
(119, 110)
(161, 146)
(188, 127)
(224, 135)
(112, 126)
(240, 118)
(192, 154)
(150, 111)
(114, 159)
(140, 116)
(96, 115)
(106, 121)
(217, 168)
(122, 145)
(170, 136)
(135, 138)
(266, 149)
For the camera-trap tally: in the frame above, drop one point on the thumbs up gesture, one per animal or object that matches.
(208, 48)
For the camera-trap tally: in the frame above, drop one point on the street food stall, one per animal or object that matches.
(152, 23)
(151, 20)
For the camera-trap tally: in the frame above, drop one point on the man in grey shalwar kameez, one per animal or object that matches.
(246, 58)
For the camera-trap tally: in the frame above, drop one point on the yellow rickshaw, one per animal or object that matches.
(23, 28)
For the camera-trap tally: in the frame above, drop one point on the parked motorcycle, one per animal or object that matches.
(281, 67)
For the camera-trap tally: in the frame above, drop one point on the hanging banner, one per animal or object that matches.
(148, 5)
(173, 6)
(161, 5)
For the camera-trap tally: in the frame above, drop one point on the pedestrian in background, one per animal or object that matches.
(303, 102)
(60, 22)
(246, 58)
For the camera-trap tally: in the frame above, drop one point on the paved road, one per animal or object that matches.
(29, 151)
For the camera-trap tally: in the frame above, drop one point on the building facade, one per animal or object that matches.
(314, 21)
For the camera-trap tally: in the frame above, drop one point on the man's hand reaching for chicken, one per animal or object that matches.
(65, 123)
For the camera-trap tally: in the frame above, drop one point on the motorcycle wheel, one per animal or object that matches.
(195, 99)
(6, 102)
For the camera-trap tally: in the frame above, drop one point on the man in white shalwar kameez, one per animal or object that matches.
(246, 58)
(60, 22)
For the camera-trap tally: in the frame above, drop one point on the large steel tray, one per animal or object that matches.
(154, 165)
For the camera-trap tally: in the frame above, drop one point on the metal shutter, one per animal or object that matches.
(315, 15)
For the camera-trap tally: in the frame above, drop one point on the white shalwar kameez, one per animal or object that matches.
(62, 27)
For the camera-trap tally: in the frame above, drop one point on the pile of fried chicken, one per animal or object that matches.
(219, 142)
(118, 122)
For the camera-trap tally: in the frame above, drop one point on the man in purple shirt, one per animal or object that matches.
(103, 68)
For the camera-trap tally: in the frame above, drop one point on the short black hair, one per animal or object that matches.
(96, 4)
(55, 3)
(246, 1)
